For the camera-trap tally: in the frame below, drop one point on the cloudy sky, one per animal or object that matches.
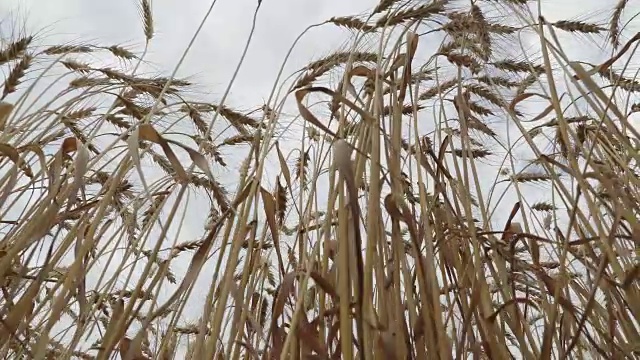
(218, 47)
(214, 56)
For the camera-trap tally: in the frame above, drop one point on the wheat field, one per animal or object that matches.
(451, 183)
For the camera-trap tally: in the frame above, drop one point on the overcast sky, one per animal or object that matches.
(213, 58)
(219, 46)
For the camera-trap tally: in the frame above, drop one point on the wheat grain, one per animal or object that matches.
(68, 49)
(614, 23)
(15, 75)
(147, 18)
(351, 23)
(422, 12)
(14, 50)
(578, 26)
(121, 52)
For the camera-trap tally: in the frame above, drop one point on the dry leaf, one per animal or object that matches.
(270, 211)
(522, 97)
(199, 160)
(361, 71)
(325, 285)
(387, 341)
(283, 166)
(125, 346)
(13, 154)
(5, 111)
(69, 145)
(544, 113)
(309, 336)
(148, 133)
